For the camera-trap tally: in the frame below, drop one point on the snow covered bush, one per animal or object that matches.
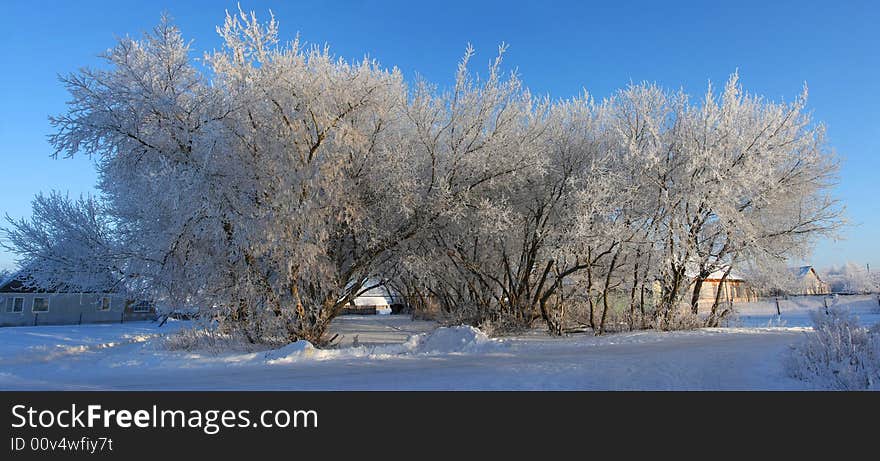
(502, 326)
(678, 319)
(840, 355)
(210, 340)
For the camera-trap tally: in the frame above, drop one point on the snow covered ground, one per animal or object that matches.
(795, 311)
(394, 352)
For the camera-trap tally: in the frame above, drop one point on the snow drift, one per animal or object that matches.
(290, 352)
(446, 340)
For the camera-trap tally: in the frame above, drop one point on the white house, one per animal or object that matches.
(377, 300)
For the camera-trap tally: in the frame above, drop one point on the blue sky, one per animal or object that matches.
(558, 47)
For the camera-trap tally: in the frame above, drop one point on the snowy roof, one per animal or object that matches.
(373, 301)
(717, 275)
(803, 271)
(382, 295)
(800, 271)
(7, 279)
(18, 283)
(380, 291)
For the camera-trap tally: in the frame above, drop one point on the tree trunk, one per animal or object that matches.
(642, 306)
(712, 320)
(632, 293)
(590, 291)
(605, 290)
(670, 297)
(695, 296)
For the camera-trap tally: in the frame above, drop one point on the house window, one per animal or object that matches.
(142, 306)
(14, 305)
(40, 305)
(105, 304)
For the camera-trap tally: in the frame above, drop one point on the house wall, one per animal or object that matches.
(811, 285)
(372, 301)
(732, 290)
(69, 308)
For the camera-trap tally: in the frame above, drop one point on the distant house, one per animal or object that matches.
(733, 289)
(21, 305)
(808, 281)
(375, 300)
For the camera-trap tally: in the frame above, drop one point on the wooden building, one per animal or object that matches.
(734, 288)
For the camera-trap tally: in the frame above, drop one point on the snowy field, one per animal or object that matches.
(795, 311)
(394, 352)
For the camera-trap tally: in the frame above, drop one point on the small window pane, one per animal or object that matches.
(105, 304)
(41, 305)
(142, 306)
(18, 305)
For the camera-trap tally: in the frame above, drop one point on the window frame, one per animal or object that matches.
(10, 305)
(135, 309)
(100, 306)
(34, 302)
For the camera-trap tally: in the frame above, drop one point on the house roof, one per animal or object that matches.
(15, 283)
(803, 271)
(377, 295)
(717, 275)
(373, 301)
(734, 275)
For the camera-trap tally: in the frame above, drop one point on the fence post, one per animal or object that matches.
(35, 319)
(122, 317)
(80, 319)
(825, 301)
(778, 312)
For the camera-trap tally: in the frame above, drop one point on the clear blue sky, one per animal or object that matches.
(559, 48)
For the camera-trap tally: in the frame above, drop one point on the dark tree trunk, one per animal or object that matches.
(712, 320)
(632, 292)
(695, 296)
(605, 291)
(590, 290)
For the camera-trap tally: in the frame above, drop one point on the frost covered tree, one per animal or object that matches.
(485, 140)
(67, 245)
(272, 185)
(773, 277)
(852, 278)
(275, 190)
(269, 192)
(516, 253)
(734, 179)
(775, 172)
